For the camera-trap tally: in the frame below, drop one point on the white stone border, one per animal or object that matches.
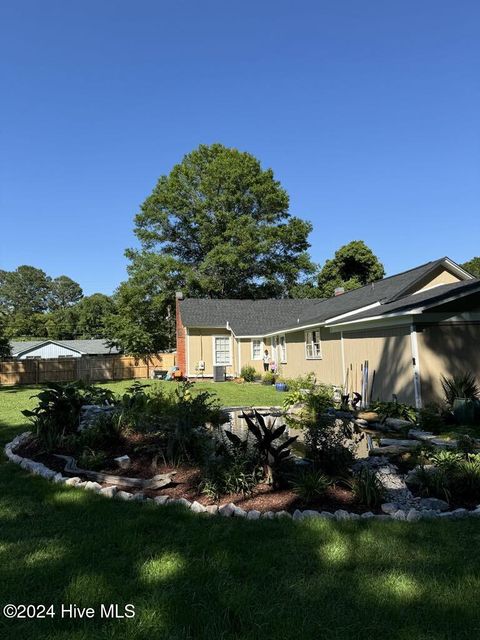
(226, 510)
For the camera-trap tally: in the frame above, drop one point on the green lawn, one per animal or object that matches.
(192, 578)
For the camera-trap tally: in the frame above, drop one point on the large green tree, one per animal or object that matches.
(25, 290)
(352, 266)
(92, 312)
(218, 225)
(473, 266)
(64, 292)
(5, 350)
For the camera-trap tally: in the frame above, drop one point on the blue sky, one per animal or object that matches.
(368, 112)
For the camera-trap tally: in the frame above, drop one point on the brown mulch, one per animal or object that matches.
(186, 482)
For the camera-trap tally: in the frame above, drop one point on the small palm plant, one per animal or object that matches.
(460, 386)
(273, 453)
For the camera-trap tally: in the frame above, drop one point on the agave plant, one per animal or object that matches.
(460, 386)
(273, 453)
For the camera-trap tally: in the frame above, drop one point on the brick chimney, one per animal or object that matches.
(181, 359)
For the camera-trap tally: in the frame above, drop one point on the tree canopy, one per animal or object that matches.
(353, 266)
(5, 350)
(218, 225)
(473, 266)
(64, 292)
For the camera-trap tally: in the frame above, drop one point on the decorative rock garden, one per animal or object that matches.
(403, 505)
(304, 460)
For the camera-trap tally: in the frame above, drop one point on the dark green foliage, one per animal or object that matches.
(462, 385)
(328, 445)
(316, 399)
(273, 452)
(58, 410)
(106, 431)
(216, 226)
(432, 418)
(26, 295)
(249, 373)
(310, 484)
(90, 459)
(5, 351)
(455, 476)
(367, 488)
(353, 266)
(395, 410)
(64, 292)
(473, 266)
(269, 378)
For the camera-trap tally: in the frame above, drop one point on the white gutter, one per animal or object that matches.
(352, 313)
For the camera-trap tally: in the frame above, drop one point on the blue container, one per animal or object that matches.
(280, 386)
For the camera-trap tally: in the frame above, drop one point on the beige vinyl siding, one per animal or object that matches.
(246, 355)
(439, 276)
(328, 369)
(388, 351)
(200, 347)
(447, 349)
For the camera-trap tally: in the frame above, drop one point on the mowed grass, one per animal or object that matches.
(192, 577)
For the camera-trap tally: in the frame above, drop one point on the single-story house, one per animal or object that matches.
(411, 328)
(46, 349)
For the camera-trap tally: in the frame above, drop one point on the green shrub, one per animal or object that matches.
(367, 488)
(328, 445)
(229, 475)
(395, 410)
(269, 377)
(434, 482)
(301, 383)
(462, 385)
(58, 411)
(445, 460)
(106, 431)
(249, 373)
(466, 477)
(90, 459)
(310, 484)
(466, 444)
(317, 399)
(431, 419)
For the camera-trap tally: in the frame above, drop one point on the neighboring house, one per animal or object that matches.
(45, 349)
(411, 328)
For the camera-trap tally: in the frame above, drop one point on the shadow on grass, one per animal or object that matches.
(199, 577)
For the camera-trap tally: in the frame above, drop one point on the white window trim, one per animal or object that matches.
(214, 356)
(281, 360)
(262, 348)
(320, 356)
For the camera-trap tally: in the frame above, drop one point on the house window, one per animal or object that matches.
(257, 349)
(282, 349)
(313, 350)
(221, 348)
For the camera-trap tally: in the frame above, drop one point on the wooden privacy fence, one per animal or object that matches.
(88, 368)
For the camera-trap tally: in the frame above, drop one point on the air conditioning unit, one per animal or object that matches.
(219, 374)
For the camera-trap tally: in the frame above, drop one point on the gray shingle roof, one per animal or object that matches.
(88, 347)
(431, 297)
(260, 317)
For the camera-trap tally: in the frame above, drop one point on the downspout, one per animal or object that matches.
(417, 382)
(343, 362)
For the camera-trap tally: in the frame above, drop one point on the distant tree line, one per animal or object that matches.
(34, 305)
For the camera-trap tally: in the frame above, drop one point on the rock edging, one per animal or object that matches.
(391, 510)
